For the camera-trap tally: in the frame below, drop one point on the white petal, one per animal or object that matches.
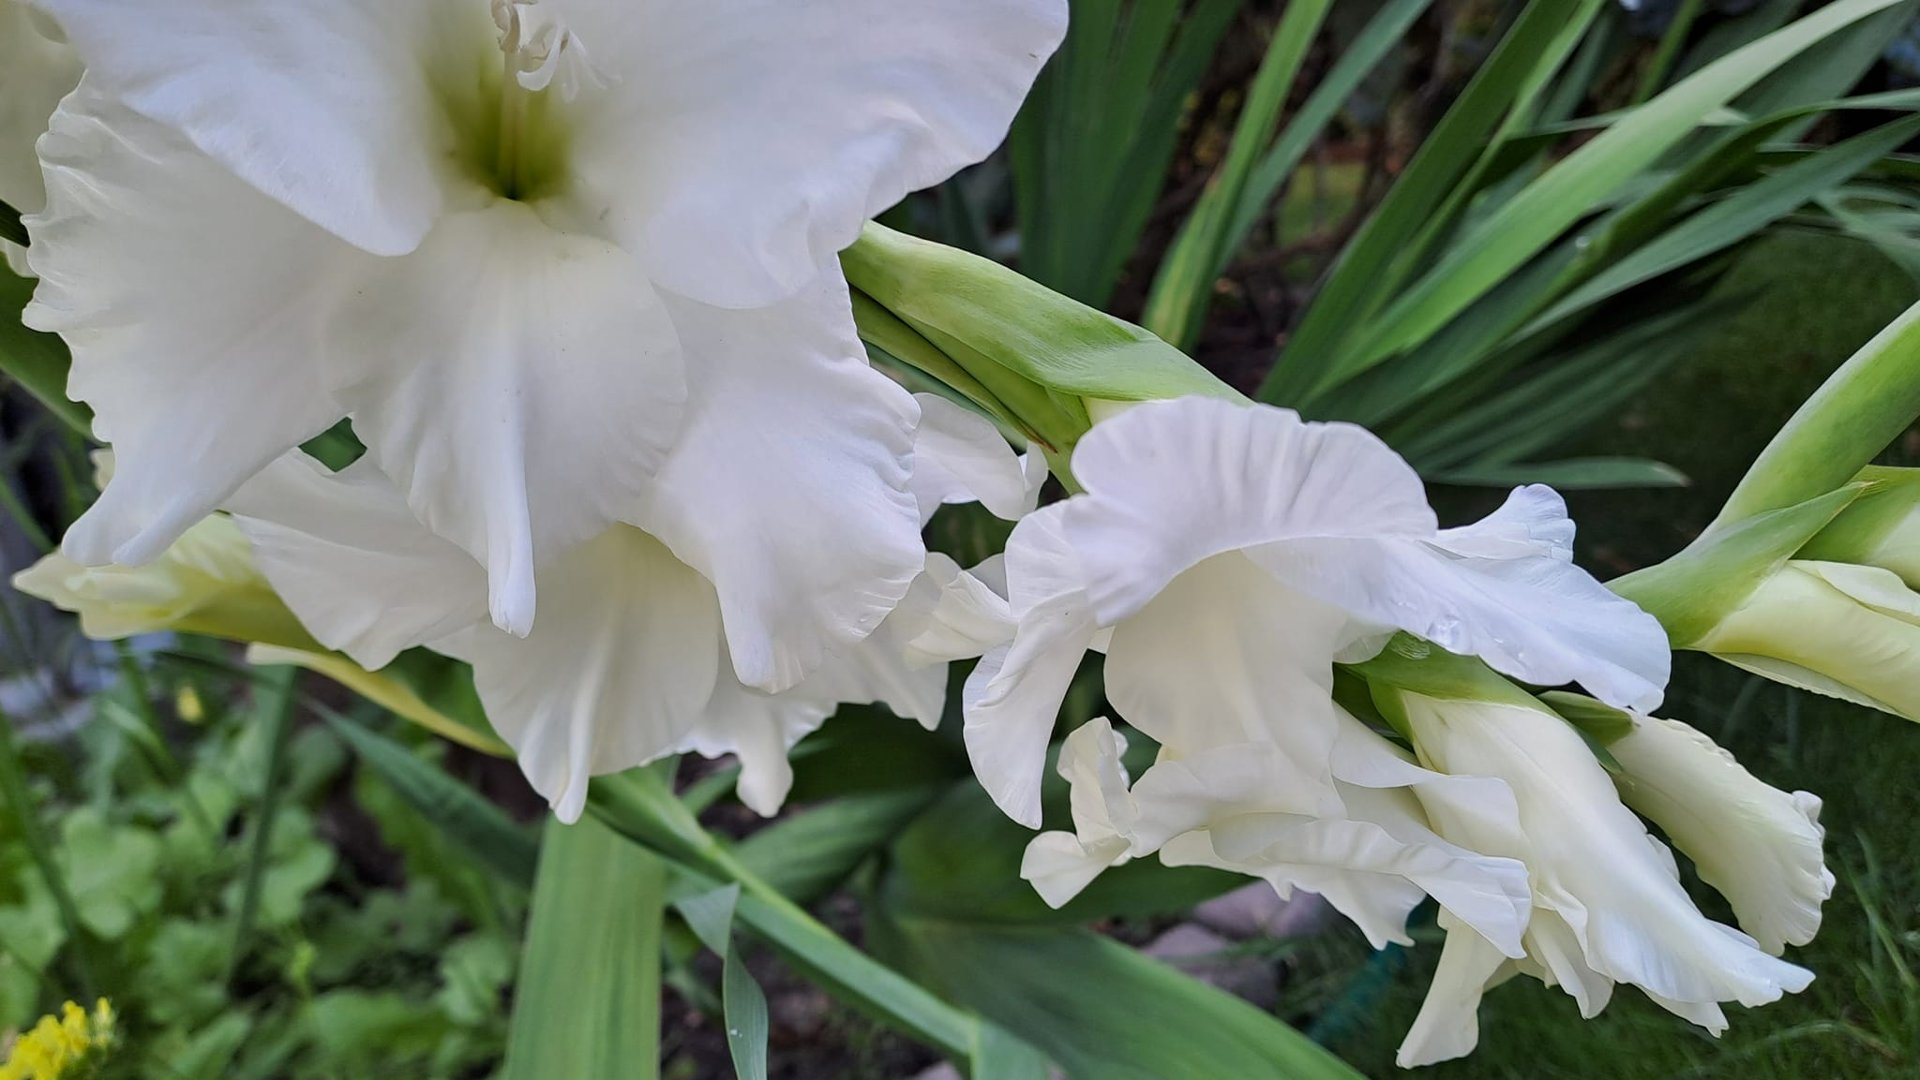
(959, 457)
(616, 673)
(1536, 619)
(1012, 697)
(190, 302)
(328, 106)
(788, 486)
(1758, 845)
(357, 568)
(36, 71)
(1449, 1023)
(740, 146)
(1226, 655)
(1378, 864)
(520, 384)
(1170, 483)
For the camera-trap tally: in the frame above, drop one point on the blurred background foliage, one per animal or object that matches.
(1604, 245)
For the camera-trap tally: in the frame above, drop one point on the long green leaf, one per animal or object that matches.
(710, 914)
(1736, 217)
(638, 805)
(1091, 146)
(477, 826)
(1577, 184)
(1353, 287)
(1102, 1010)
(1186, 274)
(1570, 475)
(587, 1001)
(806, 855)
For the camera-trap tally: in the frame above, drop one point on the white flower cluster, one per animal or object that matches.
(625, 455)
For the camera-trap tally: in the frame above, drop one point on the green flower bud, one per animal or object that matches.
(1024, 353)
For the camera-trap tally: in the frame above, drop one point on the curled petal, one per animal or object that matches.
(1758, 845)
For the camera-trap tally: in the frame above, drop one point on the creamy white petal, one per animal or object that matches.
(209, 566)
(738, 147)
(788, 487)
(1060, 864)
(1591, 859)
(520, 384)
(194, 349)
(959, 457)
(357, 568)
(1852, 632)
(616, 673)
(1449, 1022)
(37, 69)
(1758, 845)
(330, 107)
(882, 668)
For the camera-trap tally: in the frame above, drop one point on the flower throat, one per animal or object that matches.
(538, 54)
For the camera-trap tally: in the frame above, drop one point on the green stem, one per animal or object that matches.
(1855, 414)
(276, 708)
(639, 804)
(13, 783)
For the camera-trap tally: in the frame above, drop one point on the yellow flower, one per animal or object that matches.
(67, 1048)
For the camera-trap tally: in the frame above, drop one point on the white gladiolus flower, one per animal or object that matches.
(629, 661)
(1608, 906)
(1225, 556)
(37, 69)
(1758, 845)
(564, 264)
(1240, 808)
